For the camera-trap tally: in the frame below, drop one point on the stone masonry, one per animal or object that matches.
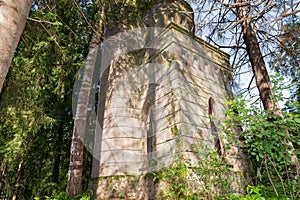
(156, 102)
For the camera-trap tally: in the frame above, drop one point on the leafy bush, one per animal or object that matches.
(273, 144)
(271, 141)
(206, 180)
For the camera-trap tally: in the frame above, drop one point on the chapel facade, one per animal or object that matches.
(161, 95)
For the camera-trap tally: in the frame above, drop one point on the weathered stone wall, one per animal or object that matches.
(151, 113)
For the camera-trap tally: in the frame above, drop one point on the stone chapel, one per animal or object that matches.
(158, 100)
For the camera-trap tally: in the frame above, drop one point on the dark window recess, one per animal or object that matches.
(97, 90)
(213, 124)
(149, 115)
(150, 132)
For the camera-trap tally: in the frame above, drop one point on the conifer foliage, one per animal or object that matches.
(36, 118)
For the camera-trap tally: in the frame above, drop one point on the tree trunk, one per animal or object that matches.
(74, 184)
(13, 16)
(259, 69)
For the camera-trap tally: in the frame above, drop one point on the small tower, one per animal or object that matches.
(163, 91)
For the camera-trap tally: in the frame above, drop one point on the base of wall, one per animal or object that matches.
(143, 187)
(124, 187)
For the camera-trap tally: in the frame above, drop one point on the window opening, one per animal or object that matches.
(149, 112)
(213, 124)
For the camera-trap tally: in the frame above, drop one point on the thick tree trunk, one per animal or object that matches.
(259, 69)
(13, 16)
(74, 184)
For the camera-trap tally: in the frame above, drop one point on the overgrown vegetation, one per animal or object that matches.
(36, 121)
(269, 140)
(206, 180)
(36, 102)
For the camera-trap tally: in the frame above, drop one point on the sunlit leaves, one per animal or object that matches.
(271, 141)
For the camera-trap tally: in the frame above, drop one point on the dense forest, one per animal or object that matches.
(38, 71)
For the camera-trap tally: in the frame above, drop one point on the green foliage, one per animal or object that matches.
(271, 141)
(213, 173)
(36, 119)
(175, 176)
(253, 193)
(208, 179)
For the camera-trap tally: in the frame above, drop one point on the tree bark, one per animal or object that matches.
(74, 184)
(259, 69)
(13, 17)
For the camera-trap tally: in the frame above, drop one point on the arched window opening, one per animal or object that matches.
(212, 115)
(150, 132)
(213, 124)
(149, 120)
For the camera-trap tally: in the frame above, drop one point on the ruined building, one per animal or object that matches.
(162, 90)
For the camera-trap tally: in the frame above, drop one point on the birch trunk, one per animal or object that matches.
(13, 17)
(74, 184)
